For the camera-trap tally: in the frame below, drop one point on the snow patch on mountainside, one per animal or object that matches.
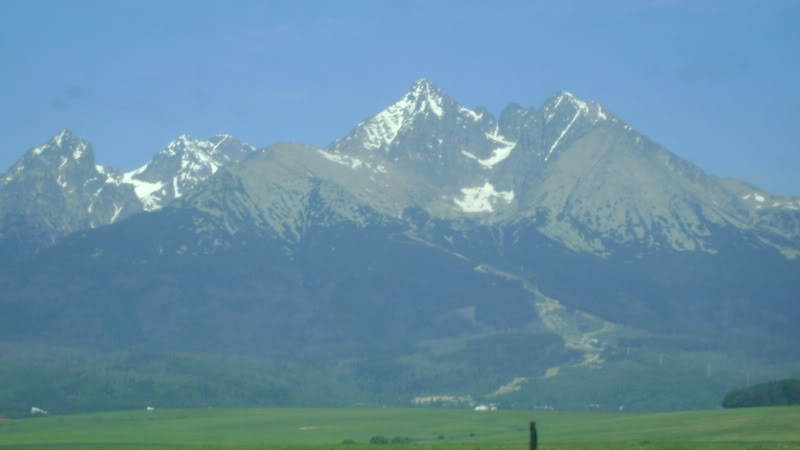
(472, 114)
(563, 132)
(59, 139)
(353, 163)
(144, 190)
(117, 210)
(755, 196)
(435, 104)
(762, 200)
(481, 198)
(499, 153)
(601, 115)
(382, 129)
(79, 150)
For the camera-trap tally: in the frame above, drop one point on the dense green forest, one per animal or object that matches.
(62, 380)
(775, 393)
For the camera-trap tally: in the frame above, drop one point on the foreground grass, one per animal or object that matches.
(752, 429)
(645, 445)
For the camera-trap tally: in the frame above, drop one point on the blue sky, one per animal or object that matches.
(714, 81)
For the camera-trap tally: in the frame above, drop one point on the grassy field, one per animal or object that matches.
(756, 428)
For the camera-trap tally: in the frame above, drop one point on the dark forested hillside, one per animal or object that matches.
(774, 393)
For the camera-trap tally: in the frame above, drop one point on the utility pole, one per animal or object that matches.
(534, 436)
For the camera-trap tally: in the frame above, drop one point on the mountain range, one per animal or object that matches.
(57, 188)
(435, 255)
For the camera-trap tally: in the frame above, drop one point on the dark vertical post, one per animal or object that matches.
(534, 436)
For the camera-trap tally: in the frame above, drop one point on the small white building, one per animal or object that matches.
(38, 411)
(489, 407)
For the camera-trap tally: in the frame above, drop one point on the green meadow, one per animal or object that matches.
(753, 428)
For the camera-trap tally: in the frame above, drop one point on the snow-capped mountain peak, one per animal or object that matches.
(58, 139)
(64, 140)
(182, 165)
(64, 156)
(426, 95)
(563, 111)
(195, 155)
(567, 102)
(60, 183)
(424, 99)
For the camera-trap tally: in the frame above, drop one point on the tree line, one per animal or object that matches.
(775, 393)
